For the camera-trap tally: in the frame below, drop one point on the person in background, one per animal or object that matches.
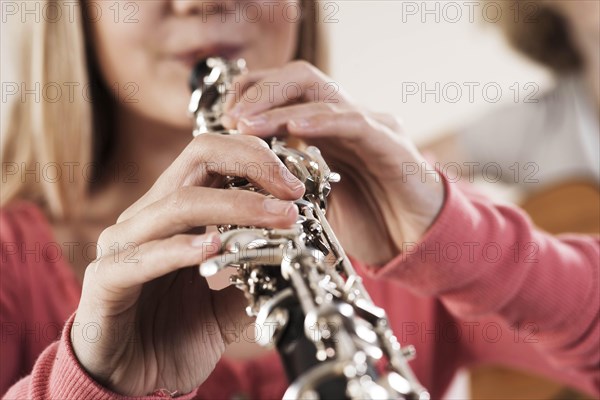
(151, 317)
(554, 137)
(547, 147)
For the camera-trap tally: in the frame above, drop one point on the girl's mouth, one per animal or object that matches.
(192, 56)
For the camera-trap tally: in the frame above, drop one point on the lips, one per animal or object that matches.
(192, 56)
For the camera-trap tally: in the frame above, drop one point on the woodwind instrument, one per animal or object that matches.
(308, 301)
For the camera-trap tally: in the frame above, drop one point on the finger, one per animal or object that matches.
(209, 155)
(274, 122)
(351, 125)
(151, 260)
(393, 122)
(194, 206)
(240, 85)
(298, 81)
(373, 138)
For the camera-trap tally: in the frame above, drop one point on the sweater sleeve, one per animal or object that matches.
(11, 319)
(487, 260)
(58, 375)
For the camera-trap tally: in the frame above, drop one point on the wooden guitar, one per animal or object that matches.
(571, 207)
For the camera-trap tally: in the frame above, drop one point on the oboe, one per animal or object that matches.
(307, 298)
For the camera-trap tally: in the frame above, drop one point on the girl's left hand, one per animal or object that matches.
(388, 195)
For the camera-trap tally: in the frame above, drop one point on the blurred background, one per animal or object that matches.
(388, 54)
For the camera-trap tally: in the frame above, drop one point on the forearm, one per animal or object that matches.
(58, 375)
(483, 258)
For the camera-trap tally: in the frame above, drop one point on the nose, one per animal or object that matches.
(186, 7)
(191, 7)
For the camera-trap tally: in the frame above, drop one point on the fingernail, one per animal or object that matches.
(292, 181)
(300, 123)
(277, 207)
(211, 239)
(254, 122)
(296, 186)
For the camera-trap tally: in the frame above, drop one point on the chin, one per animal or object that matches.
(163, 116)
(179, 120)
(172, 109)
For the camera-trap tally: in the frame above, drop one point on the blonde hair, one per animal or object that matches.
(71, 134)
(541, 33)
(41, 134)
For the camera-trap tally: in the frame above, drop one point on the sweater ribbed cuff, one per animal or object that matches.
(73, 382)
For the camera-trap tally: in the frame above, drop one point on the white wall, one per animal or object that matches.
(378, 48)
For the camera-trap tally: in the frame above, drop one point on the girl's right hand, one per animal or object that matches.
(146, 320)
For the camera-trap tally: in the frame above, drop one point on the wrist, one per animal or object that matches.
(420, 197)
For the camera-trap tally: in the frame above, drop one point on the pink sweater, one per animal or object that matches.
(481, 287)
